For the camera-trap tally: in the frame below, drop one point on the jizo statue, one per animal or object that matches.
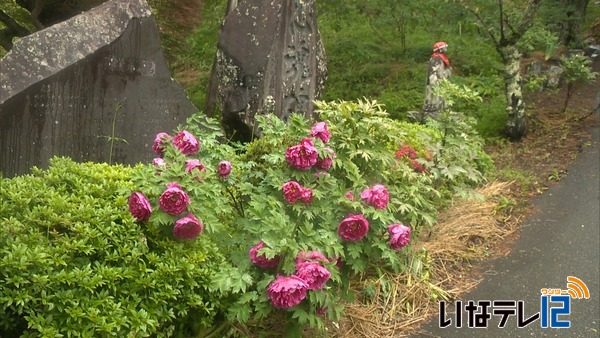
(439, 68)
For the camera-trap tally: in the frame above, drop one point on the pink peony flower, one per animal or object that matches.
(139, 206)
(260, 260)
(319, 130)
(293, 191)
(159, 162)
(313, 256)
(302, 156)
(377, 196)
(160, 141)
(399, 236)
(174, 200)
(353, 228)
(285, 292)
(195, 166)
(325, 163)
(188, 227)
(306, 195)
(349, 195)
(314, 274)
(224, 169)
(186, 142)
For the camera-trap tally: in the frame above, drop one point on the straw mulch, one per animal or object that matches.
(398, 304)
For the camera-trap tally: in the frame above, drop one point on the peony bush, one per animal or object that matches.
(283, 210)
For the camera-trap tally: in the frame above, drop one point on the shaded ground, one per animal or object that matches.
(182, 18)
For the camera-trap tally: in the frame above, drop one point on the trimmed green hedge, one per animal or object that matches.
(74, 262)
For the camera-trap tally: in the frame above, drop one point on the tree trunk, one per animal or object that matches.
(516, 126)
(575, 17)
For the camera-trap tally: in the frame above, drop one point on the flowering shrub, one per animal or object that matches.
(272, 226)
(282, 208)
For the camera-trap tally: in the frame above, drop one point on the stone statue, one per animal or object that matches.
(439, 68)
(270, 59)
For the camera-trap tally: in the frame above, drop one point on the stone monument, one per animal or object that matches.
(270, 59)
(95, 88)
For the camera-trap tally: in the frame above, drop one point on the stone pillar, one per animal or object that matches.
(270, 59)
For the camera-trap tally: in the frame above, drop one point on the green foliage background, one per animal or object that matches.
(379, 49)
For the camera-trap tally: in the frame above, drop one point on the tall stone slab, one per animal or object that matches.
(95, 88)
(270, 59)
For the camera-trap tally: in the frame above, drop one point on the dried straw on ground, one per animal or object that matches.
(465, 233)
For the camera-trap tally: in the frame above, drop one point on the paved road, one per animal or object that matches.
(560, 241)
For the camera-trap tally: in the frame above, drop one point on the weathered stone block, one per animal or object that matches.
(270, 59)
(71, 88)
